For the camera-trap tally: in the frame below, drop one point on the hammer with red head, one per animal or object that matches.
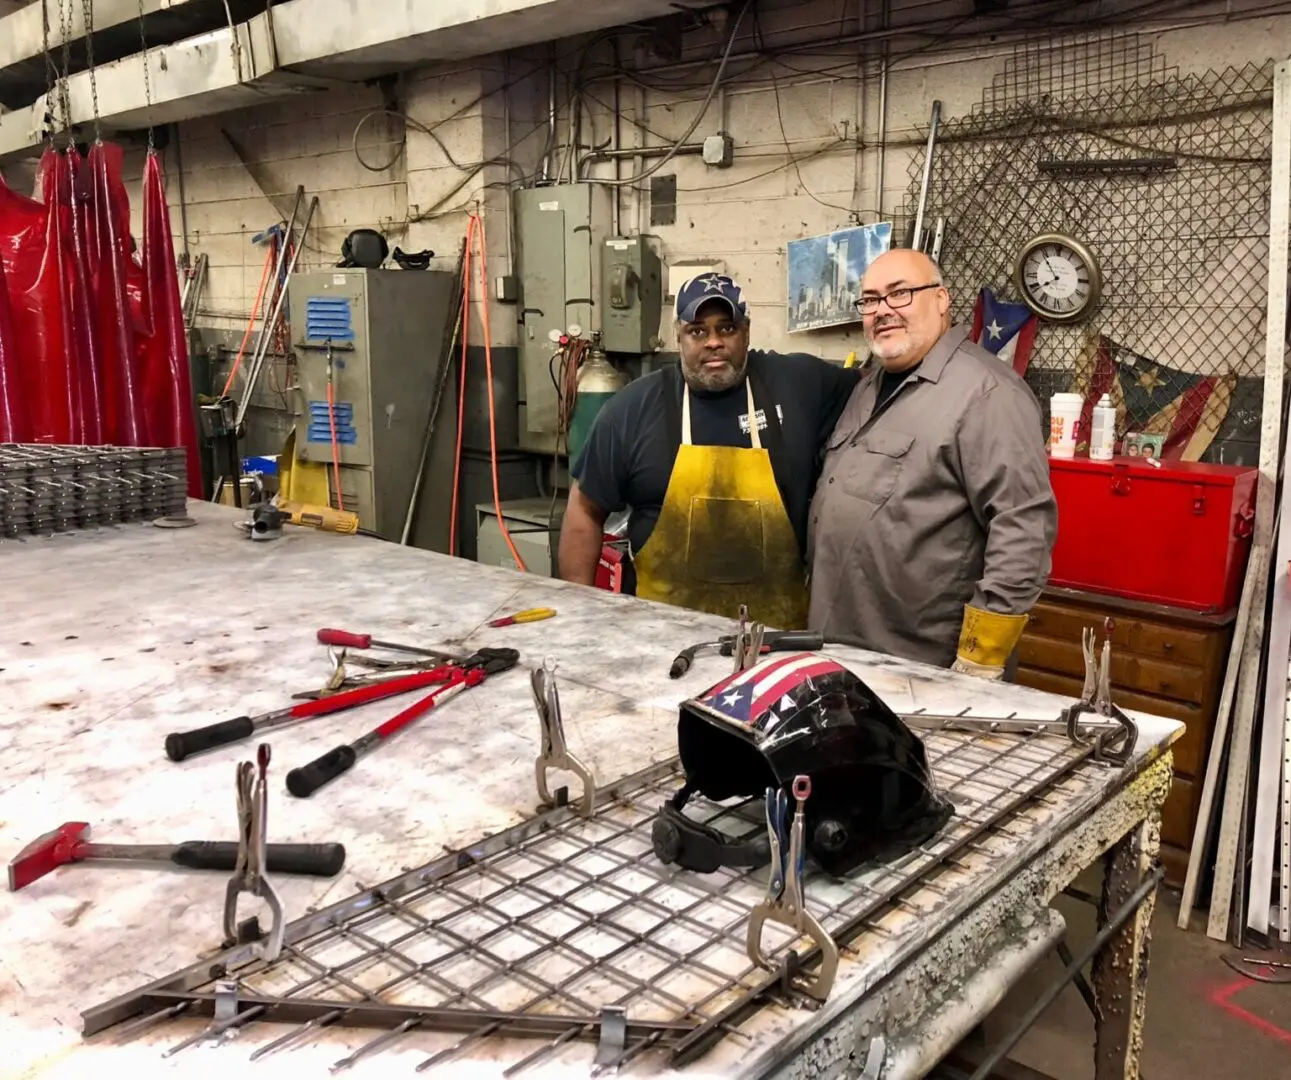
(67, 844)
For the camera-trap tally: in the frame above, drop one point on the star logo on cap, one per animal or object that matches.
(733, 698)
(712, 283)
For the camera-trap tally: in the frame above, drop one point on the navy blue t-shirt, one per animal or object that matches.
(627, 460)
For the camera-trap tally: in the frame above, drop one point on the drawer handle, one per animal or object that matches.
(1168, 646)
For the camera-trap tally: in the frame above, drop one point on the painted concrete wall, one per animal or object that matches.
(741, 217)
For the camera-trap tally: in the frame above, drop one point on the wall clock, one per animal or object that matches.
(1058, 278)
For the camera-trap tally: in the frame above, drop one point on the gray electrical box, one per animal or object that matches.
(631, 296)
(532, 524)
(560, 233)
(383, 331)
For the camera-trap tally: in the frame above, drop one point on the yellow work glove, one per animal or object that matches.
(986, 640)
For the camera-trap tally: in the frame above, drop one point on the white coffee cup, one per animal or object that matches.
(1064, 422)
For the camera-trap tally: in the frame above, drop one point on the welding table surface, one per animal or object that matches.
(111, 641)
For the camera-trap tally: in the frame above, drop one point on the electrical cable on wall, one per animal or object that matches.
(627, 181)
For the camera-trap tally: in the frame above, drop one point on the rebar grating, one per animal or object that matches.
(540, 929)
(47, 489)
(1182, 238)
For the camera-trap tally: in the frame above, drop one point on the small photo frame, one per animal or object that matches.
(1141, 444)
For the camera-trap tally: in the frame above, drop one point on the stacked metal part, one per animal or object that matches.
(46, 489)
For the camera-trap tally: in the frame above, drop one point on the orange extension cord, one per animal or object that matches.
(475, 228)
(269, 259)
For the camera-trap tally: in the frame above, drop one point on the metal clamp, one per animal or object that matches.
(1117, 745)
(784, 902)
(554, 753)
(249, 872)
(747, 647)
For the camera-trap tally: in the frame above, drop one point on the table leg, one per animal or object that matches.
(1120, 969)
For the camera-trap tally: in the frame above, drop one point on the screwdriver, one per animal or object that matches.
(531, 615)
(348, 640)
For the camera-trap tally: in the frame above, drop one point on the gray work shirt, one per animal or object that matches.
(937, 499)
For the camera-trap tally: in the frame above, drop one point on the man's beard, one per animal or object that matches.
(702, 377)
(895, 348)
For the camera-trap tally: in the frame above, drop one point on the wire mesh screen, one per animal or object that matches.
(541, 931)
(1166, 179)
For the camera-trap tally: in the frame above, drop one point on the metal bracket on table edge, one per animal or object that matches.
(226, 1000)
(614, 1035)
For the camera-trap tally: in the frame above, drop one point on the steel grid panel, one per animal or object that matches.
(538, 932)
(50, 488)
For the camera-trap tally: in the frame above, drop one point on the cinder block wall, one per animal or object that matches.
(829, 107)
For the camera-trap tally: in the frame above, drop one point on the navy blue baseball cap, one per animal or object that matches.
(698, 291)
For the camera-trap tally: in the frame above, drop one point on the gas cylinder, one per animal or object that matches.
(598, 381)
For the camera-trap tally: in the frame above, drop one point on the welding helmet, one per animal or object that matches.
(872, 794)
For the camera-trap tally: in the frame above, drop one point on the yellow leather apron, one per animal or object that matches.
(723, 537)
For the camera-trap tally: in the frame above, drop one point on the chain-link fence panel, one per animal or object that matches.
(1164, 178)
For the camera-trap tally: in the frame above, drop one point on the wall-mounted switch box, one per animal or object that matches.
(631, 295)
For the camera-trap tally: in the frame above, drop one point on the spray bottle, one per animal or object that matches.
(1102, 436)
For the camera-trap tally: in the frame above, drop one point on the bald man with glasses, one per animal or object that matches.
(933, 520)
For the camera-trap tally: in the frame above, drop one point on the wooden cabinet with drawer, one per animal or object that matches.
(1165, 661)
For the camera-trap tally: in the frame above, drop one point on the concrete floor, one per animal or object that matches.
(1204, 1021)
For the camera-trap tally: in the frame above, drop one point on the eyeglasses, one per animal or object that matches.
(897, 298)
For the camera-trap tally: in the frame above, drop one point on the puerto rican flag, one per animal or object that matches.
(757, 699)
(1007, 330)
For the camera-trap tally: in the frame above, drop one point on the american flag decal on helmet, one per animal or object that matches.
(751, 699)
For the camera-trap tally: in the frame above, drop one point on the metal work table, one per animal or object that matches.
(115, 639)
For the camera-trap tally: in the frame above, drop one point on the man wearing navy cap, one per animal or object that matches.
(717, 459)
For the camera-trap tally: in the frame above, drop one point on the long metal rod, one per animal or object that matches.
(1273, 783)
(1214, 763)
(1239, 756)
(924, 184)
(265, 339)
(362, 1014)
(1123, 915)
(441, 386)
(265, 334)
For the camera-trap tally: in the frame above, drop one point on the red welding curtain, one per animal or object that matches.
(97, 324)
(167, 388)
(36, 360)
(13, 422)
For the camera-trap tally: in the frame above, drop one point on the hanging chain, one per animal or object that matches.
(147, 80)
(87, 6)
(65, 36)
(51, 73)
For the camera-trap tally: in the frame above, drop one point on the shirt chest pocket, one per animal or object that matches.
(872, 469)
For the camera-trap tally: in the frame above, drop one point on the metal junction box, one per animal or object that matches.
(631, 296)
(383, 330)
(532, 524)
(560, 234)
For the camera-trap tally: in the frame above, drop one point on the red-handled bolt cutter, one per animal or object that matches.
(456, 677)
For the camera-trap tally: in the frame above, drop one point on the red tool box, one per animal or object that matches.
(1176, 535)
